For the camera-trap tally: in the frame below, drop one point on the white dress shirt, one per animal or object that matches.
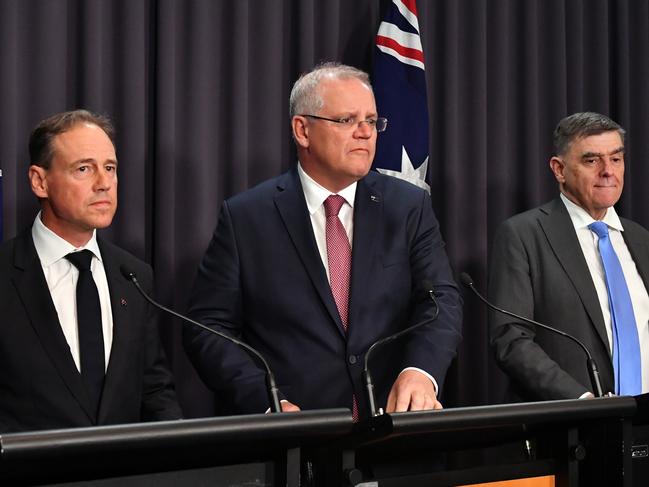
(61, 276)
(315, 196)
(639, 297)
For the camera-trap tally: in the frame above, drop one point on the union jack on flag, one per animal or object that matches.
(400, 88)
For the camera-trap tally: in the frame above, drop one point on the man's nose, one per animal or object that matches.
(364, 129)
(104, 179)
(607, 165)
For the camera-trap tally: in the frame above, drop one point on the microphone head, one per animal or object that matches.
(127, 273)
(428, 289)
(466, 280)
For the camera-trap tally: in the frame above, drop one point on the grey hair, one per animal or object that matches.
(582, 124)
(305, 98)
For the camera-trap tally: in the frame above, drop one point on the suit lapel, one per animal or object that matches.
(562, 237)
(368, 206)
(639, 250)
(122, 295)
(292, 208)
(33, 291)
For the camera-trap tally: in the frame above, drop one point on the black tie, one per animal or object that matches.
(91, 339)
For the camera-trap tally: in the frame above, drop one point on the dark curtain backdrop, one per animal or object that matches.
(199, 93)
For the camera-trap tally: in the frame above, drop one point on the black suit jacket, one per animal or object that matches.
(538, 270)
(262, 278)
(40, 386)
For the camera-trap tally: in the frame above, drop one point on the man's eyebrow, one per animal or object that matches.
(85, 160)
(600, 154)
(355, 113)
(90, 160)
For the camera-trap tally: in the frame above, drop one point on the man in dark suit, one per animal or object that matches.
(546, 265)
(45, 359)
(312, 288)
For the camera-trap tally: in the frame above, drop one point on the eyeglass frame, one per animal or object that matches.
(351, 121)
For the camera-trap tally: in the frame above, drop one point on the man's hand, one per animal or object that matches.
(288, 407)
(412, 391)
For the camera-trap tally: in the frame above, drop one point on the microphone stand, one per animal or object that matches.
(270, 379)
(367, 377)
(593, 371)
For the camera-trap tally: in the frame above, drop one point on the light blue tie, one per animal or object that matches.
(626, 346)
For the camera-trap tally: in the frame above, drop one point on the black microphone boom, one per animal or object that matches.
(270, 379)
(593, 371)
(367, 377)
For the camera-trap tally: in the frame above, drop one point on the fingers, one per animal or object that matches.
(419, 400)
(403, 402)
(392, 401)
(398, 400)
(289, 407)
(412, 391)
(415, 401)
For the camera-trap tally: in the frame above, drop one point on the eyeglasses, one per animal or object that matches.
(380, 123)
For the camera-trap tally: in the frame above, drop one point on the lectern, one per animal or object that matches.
(238, 450)
(640, 448)
(580, 442)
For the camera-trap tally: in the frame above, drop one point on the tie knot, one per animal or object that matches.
(81, 260)
(333, 204)
(600, 228)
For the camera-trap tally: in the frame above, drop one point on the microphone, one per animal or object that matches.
(270, 379)
(593, 371)
(367, 377)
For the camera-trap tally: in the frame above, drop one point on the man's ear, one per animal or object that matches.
(38, 180)
(300, 131)
(558, 167)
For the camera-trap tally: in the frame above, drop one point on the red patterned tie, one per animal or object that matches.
(339, 257)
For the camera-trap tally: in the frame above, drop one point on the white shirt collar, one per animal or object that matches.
(315, 194)
(52, 248)
(581, 219)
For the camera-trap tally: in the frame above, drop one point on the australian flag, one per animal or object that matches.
(400, 88)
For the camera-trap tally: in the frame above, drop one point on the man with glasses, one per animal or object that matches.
(314, 266)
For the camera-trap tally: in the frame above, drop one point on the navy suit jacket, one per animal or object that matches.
(538, 270)
(262, 279)
(40, 386)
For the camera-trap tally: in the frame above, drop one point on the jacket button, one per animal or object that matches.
(352, 359)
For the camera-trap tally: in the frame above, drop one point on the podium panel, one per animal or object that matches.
(256, 474)
(240, 448)
(579, 442)
(547, 481)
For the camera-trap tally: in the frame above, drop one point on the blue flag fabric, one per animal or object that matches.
(399, 83)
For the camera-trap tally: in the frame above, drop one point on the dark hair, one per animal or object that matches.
(582, 124)
(41, 150)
